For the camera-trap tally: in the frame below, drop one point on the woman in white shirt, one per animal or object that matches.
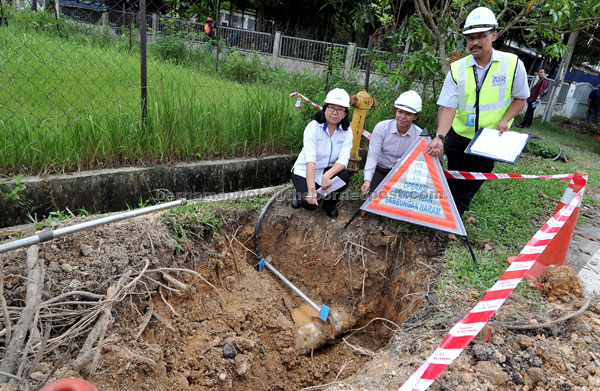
(391, 139)
(325, 154)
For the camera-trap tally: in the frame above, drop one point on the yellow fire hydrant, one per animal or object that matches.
(361, 103)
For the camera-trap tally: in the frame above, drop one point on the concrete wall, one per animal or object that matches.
(119, 189)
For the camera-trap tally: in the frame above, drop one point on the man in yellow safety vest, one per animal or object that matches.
(485, 89)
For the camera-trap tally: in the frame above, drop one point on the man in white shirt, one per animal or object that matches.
(391, 139)
(486, 89)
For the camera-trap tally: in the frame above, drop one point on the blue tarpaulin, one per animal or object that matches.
(594, 80)
(87, 5)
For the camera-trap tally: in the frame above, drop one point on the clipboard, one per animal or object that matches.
(506, 148)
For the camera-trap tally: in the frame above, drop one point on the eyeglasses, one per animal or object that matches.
(333, 110)
(479, 37)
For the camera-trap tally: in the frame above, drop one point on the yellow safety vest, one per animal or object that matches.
(494, 97)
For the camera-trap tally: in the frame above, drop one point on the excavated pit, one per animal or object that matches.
(261, 337)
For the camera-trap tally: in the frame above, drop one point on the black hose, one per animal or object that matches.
(260, 217)
(560, 152)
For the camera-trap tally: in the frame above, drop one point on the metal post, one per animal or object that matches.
(217, 62)
(470, 249)
(154, 26)
(329, 66)
(349, 58)
(276, 43)
(143, 70)
(352, 219)
(47, 235)
(368, 70)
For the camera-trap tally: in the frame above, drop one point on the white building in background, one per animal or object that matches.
(247, 20)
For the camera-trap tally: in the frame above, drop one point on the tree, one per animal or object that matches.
(543, 21)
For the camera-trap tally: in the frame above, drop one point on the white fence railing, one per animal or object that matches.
(275, 45)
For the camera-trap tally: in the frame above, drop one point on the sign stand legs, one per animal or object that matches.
(352, 219)
(466, 238)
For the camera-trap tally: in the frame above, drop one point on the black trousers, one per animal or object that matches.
(528, 115)
(378, 176)
(462, 190)
(332, 198)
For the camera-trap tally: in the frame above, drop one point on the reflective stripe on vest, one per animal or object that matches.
(495, 95)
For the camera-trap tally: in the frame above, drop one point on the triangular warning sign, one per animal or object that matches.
(416, 191)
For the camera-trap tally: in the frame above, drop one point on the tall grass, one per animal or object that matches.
(70, 100)
(193, 113)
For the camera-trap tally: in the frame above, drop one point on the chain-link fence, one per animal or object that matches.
(85, 84)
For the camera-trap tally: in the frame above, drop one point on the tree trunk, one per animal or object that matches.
(442, 49)
(562, 70)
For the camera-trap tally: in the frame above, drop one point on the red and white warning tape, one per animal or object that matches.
(490, 175)
(299, 102)
(300, 97)
(469, 326)
(459, 337)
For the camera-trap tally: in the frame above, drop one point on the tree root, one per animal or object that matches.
(130, 356)
(580, 311)
(35, 278)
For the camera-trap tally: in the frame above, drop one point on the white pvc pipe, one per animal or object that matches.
(47, 235)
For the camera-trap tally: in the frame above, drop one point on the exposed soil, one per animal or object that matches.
(565, 356)
(580, 126)
(560, 350)
(248, 340)
(374, 278)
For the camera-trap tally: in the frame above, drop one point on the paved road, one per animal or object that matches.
(584, 252)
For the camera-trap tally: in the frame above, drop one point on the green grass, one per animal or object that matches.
(190, 222)
(71, 100)
(198, 221)
(508, 212)
(554, 134)
(81, 109)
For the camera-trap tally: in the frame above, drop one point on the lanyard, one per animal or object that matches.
(325, 128)
(477, 89)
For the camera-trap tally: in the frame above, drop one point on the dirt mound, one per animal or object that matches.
(199, 316)
(561, 283)
(580, 126)
(525, 347)
(192, 312)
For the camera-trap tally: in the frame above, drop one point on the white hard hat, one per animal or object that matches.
(338, 96)
(409, 101)
(479, 20)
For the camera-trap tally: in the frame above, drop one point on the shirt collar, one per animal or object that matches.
(336, 129)
(394, 129)
(472, 61)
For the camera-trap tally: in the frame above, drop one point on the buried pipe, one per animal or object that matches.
(318, 332)
(51, 234)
